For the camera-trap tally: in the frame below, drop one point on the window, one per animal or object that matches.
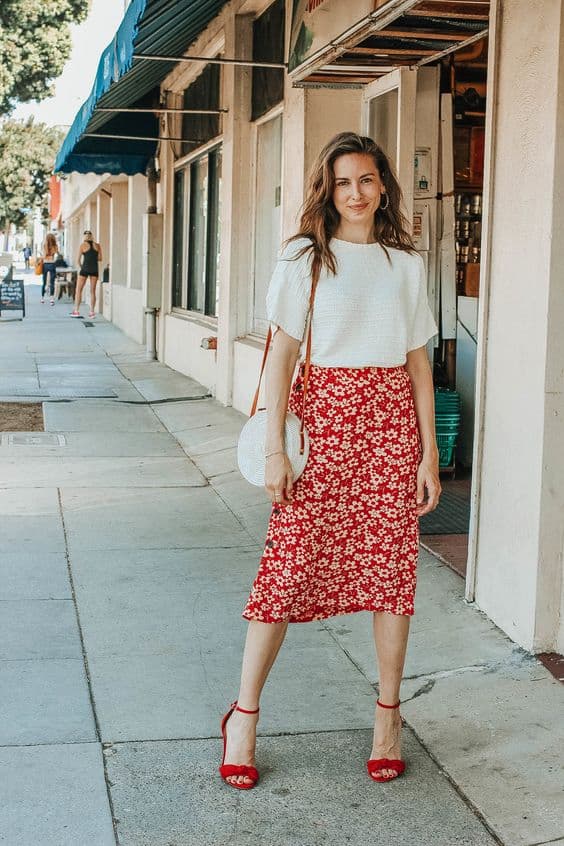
(197, 223)
(268, 46)
(204, 93)
(267, 214)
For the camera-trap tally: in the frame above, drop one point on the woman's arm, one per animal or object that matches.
(80, 252)
(99, 250)
(281, 365)
(419, 372)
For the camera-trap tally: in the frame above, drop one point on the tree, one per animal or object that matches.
(34, 45)
(27, 156)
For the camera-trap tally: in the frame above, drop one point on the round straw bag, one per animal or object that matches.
(251, 451)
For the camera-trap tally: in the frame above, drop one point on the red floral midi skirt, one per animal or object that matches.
(349, 540)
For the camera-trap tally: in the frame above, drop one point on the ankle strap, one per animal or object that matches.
(381, 704)
(236, 707)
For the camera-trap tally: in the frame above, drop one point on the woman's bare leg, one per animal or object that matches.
(390, 636)
(80, 283)
(261, 648)
(93, 283)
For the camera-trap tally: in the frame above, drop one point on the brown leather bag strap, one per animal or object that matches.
(263, 365)
(307, 360)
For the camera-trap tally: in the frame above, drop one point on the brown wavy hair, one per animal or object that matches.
(51, 246)
(320, 219)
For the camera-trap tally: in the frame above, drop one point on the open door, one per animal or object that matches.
(389, 118)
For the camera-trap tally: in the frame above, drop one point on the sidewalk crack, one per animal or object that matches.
(85, 662)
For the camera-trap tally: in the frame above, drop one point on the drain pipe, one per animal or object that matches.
(151, 332)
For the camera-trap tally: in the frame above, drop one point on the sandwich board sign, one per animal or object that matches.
(12, 294)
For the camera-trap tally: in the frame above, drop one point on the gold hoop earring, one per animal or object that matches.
(381, 207)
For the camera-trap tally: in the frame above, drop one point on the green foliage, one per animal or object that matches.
(27, 156)
(34, 46)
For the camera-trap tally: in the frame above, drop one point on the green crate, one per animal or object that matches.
(447, 401)
(446, 445)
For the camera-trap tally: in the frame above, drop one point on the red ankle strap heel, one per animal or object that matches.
(375, 766)
(236, 707)
(228, 770)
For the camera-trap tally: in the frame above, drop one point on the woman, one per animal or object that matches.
(49, 256)
(344, 537)
(89, 257)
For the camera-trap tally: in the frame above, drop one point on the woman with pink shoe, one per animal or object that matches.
(344, 536)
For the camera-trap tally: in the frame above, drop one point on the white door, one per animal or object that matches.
(389, 118)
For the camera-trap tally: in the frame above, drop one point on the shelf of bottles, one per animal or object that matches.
(468, 237)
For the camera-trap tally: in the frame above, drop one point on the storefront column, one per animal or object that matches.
(235, 260)
(517, 546)
(91, 216)
(102, 231)
(73, 241)
(136, 208)
(118, 234)
(293, 156)
(102, 234)
(166, 208)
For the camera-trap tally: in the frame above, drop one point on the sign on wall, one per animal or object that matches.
(315, 23)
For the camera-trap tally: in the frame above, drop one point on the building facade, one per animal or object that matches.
(192, 241)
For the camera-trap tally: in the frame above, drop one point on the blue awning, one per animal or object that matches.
(149, 27)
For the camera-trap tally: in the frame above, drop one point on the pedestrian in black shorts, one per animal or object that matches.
(89, 258)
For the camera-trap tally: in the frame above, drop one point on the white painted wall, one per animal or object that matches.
(247, 358)
(76, 189)
(127, 311)
(520, 533)
(182, 350)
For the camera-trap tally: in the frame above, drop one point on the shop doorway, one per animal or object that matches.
(422, 68)
(431, 122)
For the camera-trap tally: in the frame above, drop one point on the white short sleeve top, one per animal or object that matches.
(370, 314)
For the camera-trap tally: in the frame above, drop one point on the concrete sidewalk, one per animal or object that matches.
(127, 555)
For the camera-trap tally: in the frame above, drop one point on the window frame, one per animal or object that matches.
(275, 112)
(184, 163)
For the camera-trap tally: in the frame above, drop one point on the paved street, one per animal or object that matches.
(127, 553)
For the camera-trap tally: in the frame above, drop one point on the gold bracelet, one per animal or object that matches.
(277, 452)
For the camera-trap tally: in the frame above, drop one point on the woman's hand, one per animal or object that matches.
(279, 479)
(428, 478)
